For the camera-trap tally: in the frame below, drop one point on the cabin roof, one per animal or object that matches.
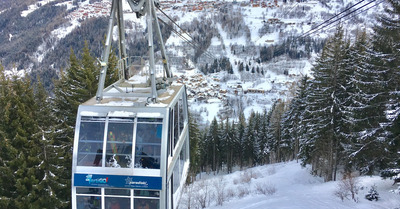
(129, 93)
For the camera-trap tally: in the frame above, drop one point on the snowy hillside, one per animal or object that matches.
(235, 29)
(283, 185)
(267, 23)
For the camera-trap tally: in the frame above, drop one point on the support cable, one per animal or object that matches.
(196, 43)
(327, 22)
(340, 18)
(353, 16)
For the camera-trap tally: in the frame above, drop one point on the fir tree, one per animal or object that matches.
(275, 128)
(386, 46)
(7, 152)
(292, 123)
(240, 139)
(325, 106)
(19, 134)
(250, 139)
(194, 148)
(47, 152)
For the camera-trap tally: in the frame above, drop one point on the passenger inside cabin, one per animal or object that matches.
(142, 204)
(114, 204)
(147, 160)
(97, 160)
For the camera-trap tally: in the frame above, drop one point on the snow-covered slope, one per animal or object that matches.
(283, 186)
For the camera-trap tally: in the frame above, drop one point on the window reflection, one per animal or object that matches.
(148, 145)
(146, 193)
(141, 203)
(119, 143)
(88, 202)
(85, 190)
(90, 147)
(117, 203)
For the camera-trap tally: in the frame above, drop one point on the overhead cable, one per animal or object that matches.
(192, 42)
(327, 22)
(354, 15)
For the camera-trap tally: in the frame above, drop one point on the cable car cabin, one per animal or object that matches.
(129, 153)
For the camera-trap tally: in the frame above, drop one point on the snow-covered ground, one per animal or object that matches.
(34, 7)
(284, 186)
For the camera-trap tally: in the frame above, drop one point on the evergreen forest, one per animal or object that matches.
(344, 118)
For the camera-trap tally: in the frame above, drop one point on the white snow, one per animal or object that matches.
(207, 110)
(90, 113)
(63, 31)
(295, 188)
(149, 115)
(15, 72)
(66, 3)
(34, 7)
(55, 36)
(121, 114)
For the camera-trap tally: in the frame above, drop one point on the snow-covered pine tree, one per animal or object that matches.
(7, 152)
(221, 149)
(239, 139)
(257, 142)
(194, 137)
(263, 138)
(228, 144)
(324, 105)
(19, 130)
(293, 127)
(212, 144)
(269, 144)
(47, 152)
(250, 138)
(386, 44)
(367, 92)
(204, 152)
(277, 145)
(236, 148)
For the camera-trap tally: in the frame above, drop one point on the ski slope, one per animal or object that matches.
(295, 188)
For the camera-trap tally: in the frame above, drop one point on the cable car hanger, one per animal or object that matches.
(141, 8)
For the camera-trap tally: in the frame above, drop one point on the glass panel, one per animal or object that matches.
(84, 190)
(181, 116)
(141, 203)
(176, 178)
(146, 193)
(171, 133)
(117, 203)
(152, 120)
(88, 202)
(90, 147)
(119, 143)
(118, 192)
(148, 145)
(176, 129)
(181, 160)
